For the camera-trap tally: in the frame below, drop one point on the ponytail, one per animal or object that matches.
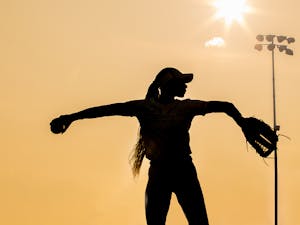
(153, 91)
(139, 151)
(138, 155)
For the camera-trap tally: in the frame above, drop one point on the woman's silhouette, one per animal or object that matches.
(164, 140)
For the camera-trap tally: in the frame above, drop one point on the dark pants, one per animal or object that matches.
(179, 177)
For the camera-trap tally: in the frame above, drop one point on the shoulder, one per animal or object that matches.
(193, 102)
(196, 107)
(138, 105)
(135, 102)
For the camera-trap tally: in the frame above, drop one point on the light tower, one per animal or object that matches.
(275, 42)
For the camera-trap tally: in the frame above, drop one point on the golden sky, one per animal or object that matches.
(58, 57)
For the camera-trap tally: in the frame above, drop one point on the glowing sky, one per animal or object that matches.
(231, 10)
(63, 56)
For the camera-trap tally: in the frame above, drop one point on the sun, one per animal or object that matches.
(231, 10)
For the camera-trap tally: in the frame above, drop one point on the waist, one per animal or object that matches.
(163, 152)
(173, 159)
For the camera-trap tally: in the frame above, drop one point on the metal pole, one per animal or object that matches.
(275, 152)
(272, 47)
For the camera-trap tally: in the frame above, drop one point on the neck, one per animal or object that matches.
(166, 99)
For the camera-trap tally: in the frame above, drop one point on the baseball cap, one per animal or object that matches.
(172, 74)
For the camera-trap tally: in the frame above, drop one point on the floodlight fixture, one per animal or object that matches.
(290, 40)
(270, 37)
(258, 47)
(282, 48)
(260, 37)
(289, 51)
(281, 38)
(271, 47)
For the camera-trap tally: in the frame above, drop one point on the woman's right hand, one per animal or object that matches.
(60, 124)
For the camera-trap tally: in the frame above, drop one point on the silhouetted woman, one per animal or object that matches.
(164, 140)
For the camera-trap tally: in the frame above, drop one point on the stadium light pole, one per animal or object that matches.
(273, 42)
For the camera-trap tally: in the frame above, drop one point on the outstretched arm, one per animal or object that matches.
(61, 124)
(226, 107)
(259, 134)
(121, 109)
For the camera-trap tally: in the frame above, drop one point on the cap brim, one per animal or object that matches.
(187, 77)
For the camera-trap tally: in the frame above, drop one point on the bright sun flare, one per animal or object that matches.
(231, 10)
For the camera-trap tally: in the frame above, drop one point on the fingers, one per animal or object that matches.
(60, 124)
(57, 125)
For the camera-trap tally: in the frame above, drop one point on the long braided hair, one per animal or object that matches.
(140, 148)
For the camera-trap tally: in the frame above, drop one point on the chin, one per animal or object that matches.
(181, 95)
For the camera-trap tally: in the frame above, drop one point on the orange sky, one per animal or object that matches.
(63, 56)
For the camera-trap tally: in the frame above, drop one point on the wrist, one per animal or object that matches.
(239, 120)
(71, 117)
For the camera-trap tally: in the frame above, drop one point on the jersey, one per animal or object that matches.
(165, 127)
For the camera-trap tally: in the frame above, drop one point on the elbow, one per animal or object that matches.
(233, 112)
(225, 107)
(230, 107)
